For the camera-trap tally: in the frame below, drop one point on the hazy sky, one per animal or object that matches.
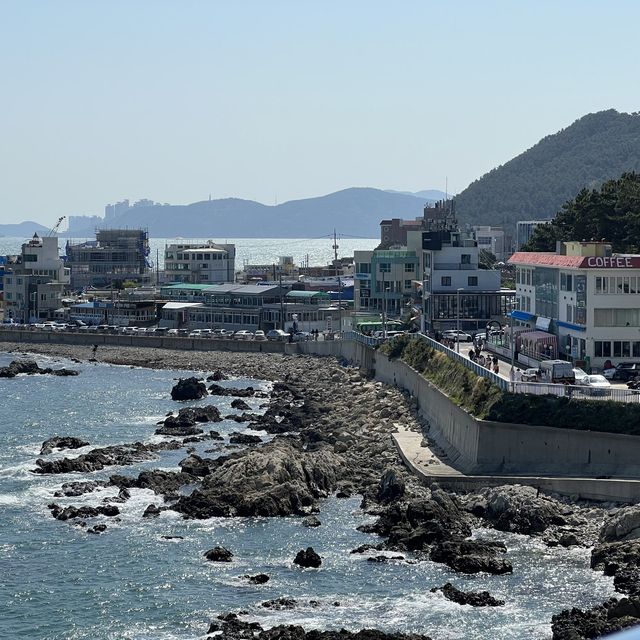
(265, 99)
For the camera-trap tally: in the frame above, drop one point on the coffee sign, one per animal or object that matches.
(595, 262)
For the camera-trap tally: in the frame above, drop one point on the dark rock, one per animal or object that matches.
(189, 389)
(280, 603)
(160, 482)
(471, 556)
(184, 424)
(61, 442)
(152, 511)
(311, 521)
(382, 559)
(74, 489)
(391, 486)
(30, 367)
(217, 390)
(473, 598)
(260, 578)
(244, 438)
(622, 561)
(363, 548)
(178, 431)
(240, 404)
(195, 466)
(71, 512)
(604, 619)
(172, 537)
(308, 558)
(216, 376)
(277, 479)
(219, 554)
(98, 528)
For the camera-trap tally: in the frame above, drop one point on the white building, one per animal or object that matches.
(35, 281)
(453, 276)
(585, 295)
(207, 263)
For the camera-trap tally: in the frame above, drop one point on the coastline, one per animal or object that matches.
(351, 419)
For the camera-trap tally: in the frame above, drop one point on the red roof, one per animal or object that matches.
(539, 258)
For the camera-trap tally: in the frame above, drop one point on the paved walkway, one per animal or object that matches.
(415, 454)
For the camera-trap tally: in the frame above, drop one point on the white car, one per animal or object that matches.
(609, 373)
(172, 332)
(580, 375)
(243, 334)
(259, 335)
(597, 384)
(458, 336)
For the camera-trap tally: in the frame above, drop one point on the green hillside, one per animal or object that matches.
(536, 184)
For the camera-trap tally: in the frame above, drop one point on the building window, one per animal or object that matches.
(407, 284)
(445, 281)
(472, 281)
(409, 267)
(465, 258)
(385, 267)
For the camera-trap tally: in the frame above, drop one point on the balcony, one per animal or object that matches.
(455, 266)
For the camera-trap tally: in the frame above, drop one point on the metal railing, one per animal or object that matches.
(578, 392)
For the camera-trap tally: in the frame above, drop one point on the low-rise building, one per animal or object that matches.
(585, 295)
(207, 263)
(35, 281)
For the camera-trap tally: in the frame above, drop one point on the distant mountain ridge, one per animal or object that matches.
(23, 229)
(356, 211)
(535, 184)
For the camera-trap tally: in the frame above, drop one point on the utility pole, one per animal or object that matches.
(281, 306)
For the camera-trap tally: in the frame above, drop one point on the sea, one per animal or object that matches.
(133, 583)
(304, 251)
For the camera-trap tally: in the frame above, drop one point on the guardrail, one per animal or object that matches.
(577, 391)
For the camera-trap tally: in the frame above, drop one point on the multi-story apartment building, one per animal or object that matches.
(525, 229)
(207, 263)
(585, 295)
(35, 281)
(456, 289)
(116, 256)
(491, 239)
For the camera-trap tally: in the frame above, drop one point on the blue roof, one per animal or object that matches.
(522, 315)
(570, 325)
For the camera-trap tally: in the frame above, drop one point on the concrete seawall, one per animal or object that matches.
(161, 342)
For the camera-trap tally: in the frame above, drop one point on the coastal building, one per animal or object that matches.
(236, 306)
(34, 281)
(207, 263)
(384, 280)
(119, 313)
(285, 268)
(457, 290)
(115, 257)
(525, 229)
(585, 295)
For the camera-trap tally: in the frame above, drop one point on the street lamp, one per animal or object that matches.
(458, 319)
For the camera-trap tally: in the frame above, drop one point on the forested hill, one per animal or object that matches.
(536, 184)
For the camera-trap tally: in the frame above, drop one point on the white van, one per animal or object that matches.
(557, 371)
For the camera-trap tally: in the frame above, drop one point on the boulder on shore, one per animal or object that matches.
(61, 442)
(473, 598)
(240, 404)
(30, 367)
(218, 554)
(471, 556)
(277, 479)
(307, 558)
(189, 389)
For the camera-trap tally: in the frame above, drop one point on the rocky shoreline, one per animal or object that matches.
(331, 432)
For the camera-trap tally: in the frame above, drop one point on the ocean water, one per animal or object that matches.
(317, 251)
(58, 582)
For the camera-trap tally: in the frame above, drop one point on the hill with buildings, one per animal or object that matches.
(354, 211)
(22, 229)
(534, 185)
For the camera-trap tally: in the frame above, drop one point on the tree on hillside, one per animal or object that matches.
(611, 214)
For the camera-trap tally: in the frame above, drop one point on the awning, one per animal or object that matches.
(569, 325)
(523, 315)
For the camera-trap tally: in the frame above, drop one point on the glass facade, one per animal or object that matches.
(545, 282)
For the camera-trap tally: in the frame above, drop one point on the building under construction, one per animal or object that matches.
(116, 256)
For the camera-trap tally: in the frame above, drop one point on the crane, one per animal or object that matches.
(55, 227)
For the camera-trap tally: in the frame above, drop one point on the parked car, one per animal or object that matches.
(195, 333)
(531, 375)
(301, 336)
(458, 336)
(243, 334)
(626, 371)
(597, 384)
(259, 335)
(277, 334)
(580, 375)
(172, 332)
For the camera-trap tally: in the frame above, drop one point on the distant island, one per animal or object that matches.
(355, 211)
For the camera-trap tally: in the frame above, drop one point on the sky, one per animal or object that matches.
(276, 100)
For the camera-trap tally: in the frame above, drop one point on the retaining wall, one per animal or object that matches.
(162, 342)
